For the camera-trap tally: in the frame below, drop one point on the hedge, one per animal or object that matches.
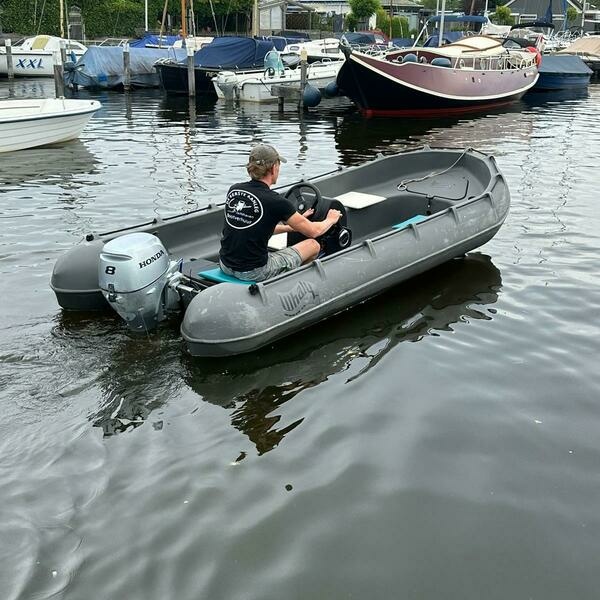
(112, 18)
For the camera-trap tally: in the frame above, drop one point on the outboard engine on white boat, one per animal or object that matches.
(137, 278)
(227, 82)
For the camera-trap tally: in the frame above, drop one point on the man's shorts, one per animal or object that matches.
(277, 262)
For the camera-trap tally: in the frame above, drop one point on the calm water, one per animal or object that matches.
(438, 442)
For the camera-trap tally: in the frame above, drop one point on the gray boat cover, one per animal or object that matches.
(102, 66)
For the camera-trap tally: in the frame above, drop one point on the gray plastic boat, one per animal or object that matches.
(402, 215)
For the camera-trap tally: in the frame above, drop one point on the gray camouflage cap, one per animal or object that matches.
(264, 155)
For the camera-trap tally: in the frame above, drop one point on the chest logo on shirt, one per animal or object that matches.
(242, 209)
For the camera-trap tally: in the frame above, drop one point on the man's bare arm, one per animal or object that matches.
(313, 229)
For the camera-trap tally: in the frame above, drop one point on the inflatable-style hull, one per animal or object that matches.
(407, 213)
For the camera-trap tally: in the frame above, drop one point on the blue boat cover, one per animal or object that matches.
(362, 39)
(154, 40)
(233, 53)
(449, 37)
(563, 64)
(102, 66)
(293, 36)
(403, 42)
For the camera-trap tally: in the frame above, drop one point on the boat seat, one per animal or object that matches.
(278, 241)
(358, 200)
(218, 276)
(412, 220)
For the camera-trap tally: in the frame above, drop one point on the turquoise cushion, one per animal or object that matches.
(415, 219)
(218, 276)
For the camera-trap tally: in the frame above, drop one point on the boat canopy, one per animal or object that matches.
(458, 19)
(449, 38)
(359, 38)
(233, 52)
(585, 45)
(532, 24)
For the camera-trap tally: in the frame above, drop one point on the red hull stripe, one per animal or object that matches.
(432, 112)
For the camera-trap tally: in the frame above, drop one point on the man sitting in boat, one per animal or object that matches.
(254, 212)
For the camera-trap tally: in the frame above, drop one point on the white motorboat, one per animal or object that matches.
(317, 50)
(34, 57)
(256, 87)
(28, 123)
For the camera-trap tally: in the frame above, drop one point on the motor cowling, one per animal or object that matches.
(134, 271)
(227, 83)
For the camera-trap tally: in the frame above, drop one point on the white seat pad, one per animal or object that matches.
(358, 199)
(278, 241)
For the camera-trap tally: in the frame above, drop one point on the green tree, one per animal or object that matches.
(502, 16)
(383, 20)
(351, 22)
(363, 9)
(571, 14)
(400, 27)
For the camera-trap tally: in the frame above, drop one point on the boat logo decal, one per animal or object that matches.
(152, 259)
(242, 209)
(299, 298)
(29, 63)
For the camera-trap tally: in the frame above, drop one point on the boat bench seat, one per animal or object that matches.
(218, 276)
(278, 241)
(358, 200)
(412, 220)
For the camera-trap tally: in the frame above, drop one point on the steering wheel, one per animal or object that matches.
(295, 195)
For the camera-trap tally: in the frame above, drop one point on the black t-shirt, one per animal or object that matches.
(252, 211)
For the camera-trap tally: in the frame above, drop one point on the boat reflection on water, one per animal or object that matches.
(140, 374)
(57, 163)
(357, 138)
(545, 97)
(253, 386)
(181, 109)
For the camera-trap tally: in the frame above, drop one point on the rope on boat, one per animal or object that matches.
(402, 185)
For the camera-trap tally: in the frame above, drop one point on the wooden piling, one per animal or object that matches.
(303, 76)
(63, 52)
(9, 59)
(191, 72)
(59, 76)
(126, 68)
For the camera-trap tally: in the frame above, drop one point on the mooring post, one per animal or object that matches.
(126, 67)
(190, 71)
(303, 73)
(9, 60)
(63, 51)
(59, 76)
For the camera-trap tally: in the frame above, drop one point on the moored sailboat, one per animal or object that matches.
(472, 73)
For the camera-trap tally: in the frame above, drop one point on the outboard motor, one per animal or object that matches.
(134, 272)
(227, 82)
